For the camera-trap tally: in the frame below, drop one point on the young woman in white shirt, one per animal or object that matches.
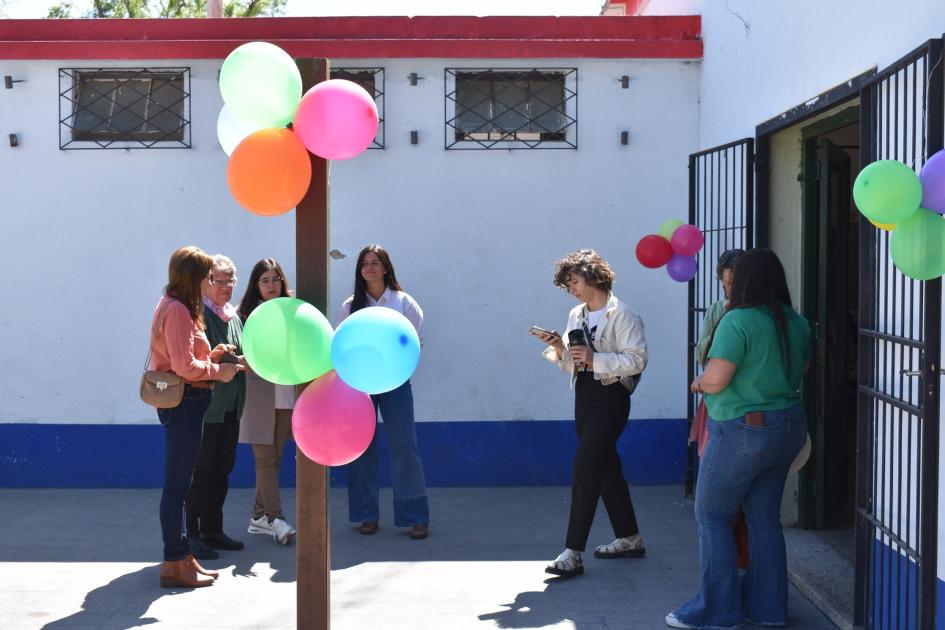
(375, 284)
(604, 372)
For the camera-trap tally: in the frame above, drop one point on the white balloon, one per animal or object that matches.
(231, 130)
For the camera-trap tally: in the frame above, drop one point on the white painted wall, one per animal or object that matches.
(87, 236)
(763, 58)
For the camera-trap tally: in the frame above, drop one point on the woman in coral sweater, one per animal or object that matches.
(179, 344)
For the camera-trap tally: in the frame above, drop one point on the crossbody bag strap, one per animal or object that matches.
(154, 328)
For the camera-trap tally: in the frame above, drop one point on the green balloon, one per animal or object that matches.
(667, 228)
(287, 341)
(887, 191)
(261, 84)
(917, 245)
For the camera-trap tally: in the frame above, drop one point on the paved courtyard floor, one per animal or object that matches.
(90, 559)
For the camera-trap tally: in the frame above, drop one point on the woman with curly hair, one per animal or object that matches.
(604, 351)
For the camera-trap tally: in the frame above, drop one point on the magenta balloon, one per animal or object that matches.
(332, 423)
(933, 183)
(687, 240)
(336, 119)
(681, 268)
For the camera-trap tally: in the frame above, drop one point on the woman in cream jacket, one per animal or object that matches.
(604, 372)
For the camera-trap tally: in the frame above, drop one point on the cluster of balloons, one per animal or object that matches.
(675, 245)
(895, 199)
(288, 341)
(270, 169)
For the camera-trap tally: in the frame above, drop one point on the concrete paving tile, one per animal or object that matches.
(481, 567)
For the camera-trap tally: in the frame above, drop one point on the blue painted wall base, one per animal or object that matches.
(515, 453)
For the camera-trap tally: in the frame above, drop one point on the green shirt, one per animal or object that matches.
(748, 338)
(227, 397)
(712, 317)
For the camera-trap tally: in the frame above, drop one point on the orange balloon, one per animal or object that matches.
(889, 227)
(269, 172)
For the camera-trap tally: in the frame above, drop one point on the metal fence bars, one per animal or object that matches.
(898, 372)
(721, 204)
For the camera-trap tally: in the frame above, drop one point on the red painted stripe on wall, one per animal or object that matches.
(419, 37)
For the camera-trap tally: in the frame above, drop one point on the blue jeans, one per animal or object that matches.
(183, 426)
(410, 489)
(744, 466)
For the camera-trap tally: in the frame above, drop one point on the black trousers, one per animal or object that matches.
(212, 476)
(600, 415)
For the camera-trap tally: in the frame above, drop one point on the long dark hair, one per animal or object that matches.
(252, 297)
(360, 285)
(759, 281)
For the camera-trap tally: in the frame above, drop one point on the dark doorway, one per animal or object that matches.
(827, 486)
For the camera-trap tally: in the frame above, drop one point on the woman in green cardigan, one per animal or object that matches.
(221, 422)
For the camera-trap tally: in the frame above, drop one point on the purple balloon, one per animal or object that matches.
(933, 183)
(682, 268)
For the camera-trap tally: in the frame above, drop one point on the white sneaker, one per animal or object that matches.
(282, 531)
(259, 526)
(673, 622)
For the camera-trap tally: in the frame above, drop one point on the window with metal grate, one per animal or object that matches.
(511, 108)
(124, 108)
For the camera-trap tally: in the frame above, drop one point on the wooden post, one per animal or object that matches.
(313, 545)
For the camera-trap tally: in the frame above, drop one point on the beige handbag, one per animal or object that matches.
(163, 390)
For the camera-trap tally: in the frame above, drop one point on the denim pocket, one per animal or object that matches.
(758, 443)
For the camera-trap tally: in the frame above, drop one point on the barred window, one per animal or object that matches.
(511, 108)
(124, 108)
(372, 80)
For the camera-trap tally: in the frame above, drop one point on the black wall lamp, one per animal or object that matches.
(8, 81)
(624, 81)
(414, 137)
(413, 78)
(14, 140)
(624, 138)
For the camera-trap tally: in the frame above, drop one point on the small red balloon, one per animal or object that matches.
(654, 251)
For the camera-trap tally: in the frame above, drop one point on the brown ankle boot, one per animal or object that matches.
(181, 573)
(200, 569)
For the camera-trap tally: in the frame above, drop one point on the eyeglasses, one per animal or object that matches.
(226, 283)
(270, 281)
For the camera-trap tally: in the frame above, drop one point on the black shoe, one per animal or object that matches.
(200, 549)
(219, 540)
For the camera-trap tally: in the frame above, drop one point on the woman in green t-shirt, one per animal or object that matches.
(756, 428)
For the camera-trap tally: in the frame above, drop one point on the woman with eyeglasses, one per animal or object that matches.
(220, 422)
(179, 344)
(267, 418)
(375, 284)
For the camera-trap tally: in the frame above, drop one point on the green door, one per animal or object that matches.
(825, 488)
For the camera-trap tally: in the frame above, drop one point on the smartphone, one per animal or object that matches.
(229, 357)
(535, 330)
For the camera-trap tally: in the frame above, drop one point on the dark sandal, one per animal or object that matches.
(368, 527)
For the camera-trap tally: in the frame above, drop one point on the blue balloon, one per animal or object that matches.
(375, 350)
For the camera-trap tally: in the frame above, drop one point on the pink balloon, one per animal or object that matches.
(687, 240)
(336, 120)
(333, 423)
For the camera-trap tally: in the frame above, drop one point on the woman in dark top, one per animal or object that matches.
(220, 422)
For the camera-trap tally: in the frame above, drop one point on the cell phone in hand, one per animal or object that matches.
(229, 357)
(535, 330)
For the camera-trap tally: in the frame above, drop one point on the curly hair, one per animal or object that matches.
(589, 265)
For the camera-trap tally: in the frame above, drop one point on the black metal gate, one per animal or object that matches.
(898, 372)
(721, 204)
